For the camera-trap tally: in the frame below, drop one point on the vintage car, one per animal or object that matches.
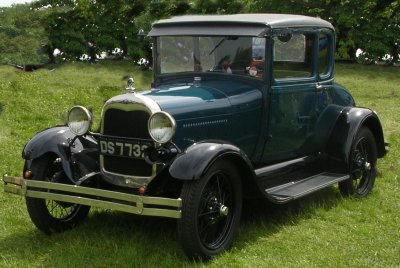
(241, 106)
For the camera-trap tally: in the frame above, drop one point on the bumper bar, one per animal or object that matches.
(141, 205)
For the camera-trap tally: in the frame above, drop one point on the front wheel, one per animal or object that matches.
(49, 215)
(211, 211)
(362, 165)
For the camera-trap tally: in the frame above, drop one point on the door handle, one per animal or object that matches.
(320, 88)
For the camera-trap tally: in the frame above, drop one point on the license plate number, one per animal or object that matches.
(133, 149)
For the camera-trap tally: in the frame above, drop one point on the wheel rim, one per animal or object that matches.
(215, 214)
(59, 210)
(362, 166)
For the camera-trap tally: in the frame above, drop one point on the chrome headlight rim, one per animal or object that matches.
(85, 124)
(172, 123)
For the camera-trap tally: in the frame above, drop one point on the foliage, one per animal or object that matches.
(217, 6)
(90, 27)
(22, 37)
(322, 230)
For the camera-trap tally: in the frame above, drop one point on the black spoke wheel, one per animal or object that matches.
(211, 211)
(362, 165)
(49, 215)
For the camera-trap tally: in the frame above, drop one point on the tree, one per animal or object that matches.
(217, 6)
(378, 31)
(22, 37)
(91, 27)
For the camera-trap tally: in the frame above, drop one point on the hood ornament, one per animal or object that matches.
(131, 85)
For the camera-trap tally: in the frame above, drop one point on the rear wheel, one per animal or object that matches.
(48, 215)
(211, 211)
(363, 158)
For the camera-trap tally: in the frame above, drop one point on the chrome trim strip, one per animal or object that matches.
(166, 207)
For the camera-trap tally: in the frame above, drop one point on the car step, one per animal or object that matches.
(296, 189)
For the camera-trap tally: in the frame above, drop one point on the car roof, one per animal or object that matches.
(238, 24)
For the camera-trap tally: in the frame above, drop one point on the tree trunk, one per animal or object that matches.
(50, 53)
(394, 51)
(124, 46)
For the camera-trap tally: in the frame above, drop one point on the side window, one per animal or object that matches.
(293, 58)
(258, 48)
(324, 49)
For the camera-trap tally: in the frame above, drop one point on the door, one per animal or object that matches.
(296, 99)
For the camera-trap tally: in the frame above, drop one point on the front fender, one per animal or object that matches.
(196, 160)
(347, 127)
(56, 140)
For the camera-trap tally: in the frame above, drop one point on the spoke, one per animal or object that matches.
(208, 213)
(52, 206)
(58, 210)
(361, 183)
(212, 226)
(219, 189)
(356, 170)
(365, 149)
(208, 224)
(210, 230)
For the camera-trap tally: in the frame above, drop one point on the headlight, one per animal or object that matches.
(79, 120)
(162, 127)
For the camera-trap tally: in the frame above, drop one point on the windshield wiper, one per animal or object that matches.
(217, 45)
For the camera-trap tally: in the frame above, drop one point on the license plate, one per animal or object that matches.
(123, 148)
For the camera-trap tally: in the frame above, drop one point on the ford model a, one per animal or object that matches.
(242, 106)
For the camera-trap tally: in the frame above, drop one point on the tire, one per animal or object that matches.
(52, 216)
(211, 211)
(362, 165)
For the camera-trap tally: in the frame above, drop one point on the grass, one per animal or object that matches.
(320, 230)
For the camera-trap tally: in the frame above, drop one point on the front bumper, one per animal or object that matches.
(141, 205)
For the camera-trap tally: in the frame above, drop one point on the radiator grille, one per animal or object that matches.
(128, 124)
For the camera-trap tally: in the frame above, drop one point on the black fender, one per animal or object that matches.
(194, 162)
(348, 124)
(57, 140)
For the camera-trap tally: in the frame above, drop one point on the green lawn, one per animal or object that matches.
(323, 230)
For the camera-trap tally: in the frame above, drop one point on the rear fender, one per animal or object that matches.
(57, 140)
(347, 126)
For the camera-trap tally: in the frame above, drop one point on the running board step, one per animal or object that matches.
(296, 189)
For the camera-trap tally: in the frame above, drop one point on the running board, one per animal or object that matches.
(296, 189)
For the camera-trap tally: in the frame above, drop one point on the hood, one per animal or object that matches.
(188, 101)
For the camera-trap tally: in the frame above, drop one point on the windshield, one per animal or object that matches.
(224, 54)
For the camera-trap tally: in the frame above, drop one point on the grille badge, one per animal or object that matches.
(126, 101)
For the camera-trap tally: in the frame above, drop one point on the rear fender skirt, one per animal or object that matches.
(347, 125)
(198, 158)
(57, 140)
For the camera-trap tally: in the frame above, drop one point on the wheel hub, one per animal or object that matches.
(367, 166)
(216, 209)
(223, 210)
